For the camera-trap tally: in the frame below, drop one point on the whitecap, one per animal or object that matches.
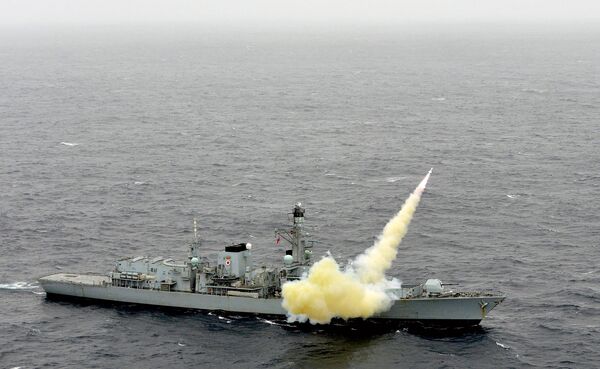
(301, 318)
(69, 143)
(393, 179)
(511, 196)
(438, 98)
(533, 90)
(139, 183)
(18, 286)
(180, 344)
(34, 332)
(506, 347)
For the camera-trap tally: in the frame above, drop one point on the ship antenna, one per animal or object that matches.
(195, 231)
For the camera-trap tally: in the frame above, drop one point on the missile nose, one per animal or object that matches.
(421, 186)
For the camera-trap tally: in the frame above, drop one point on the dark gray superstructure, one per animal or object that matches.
(232, 284)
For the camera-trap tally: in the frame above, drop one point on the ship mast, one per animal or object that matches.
(195, 244)
(300, 251)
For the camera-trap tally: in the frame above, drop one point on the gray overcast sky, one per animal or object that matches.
(294, 11)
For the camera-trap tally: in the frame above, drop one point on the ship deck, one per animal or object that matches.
(460, 309)
(103, 280)
(86, 279)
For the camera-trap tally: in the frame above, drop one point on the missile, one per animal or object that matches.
(421, 186)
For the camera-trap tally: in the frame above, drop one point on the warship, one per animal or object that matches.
(231, 284)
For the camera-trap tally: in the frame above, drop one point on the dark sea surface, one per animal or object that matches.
(113, 139)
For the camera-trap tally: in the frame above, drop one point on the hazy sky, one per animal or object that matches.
(295, 11)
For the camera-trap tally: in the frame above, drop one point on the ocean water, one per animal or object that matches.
(113, 139)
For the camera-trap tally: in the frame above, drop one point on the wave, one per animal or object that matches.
(533, 90)
(268, 321)
(504, 346)
(282, 323)
(18, 286)
(393, 179)
(225, 319)
(69, 143)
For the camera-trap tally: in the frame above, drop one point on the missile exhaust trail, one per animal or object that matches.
(360, 291)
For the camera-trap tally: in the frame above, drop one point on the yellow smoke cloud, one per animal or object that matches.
(328, 292)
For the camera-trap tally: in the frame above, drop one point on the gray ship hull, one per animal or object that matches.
(454, 311)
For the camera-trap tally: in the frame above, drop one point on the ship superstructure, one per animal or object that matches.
(232, 274)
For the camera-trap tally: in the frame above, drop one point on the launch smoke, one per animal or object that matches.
(373, 263)
(360, 291)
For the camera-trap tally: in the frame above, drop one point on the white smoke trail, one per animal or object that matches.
(377, 259)
(362, 291)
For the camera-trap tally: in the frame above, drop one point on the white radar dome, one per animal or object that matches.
(288, 259)
(433, 286)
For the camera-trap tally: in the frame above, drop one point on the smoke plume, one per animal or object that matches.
(361, 290)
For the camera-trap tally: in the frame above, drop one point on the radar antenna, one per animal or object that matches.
(195, 231)
(195, 244)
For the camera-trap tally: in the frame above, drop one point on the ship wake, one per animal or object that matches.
(33, 287)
